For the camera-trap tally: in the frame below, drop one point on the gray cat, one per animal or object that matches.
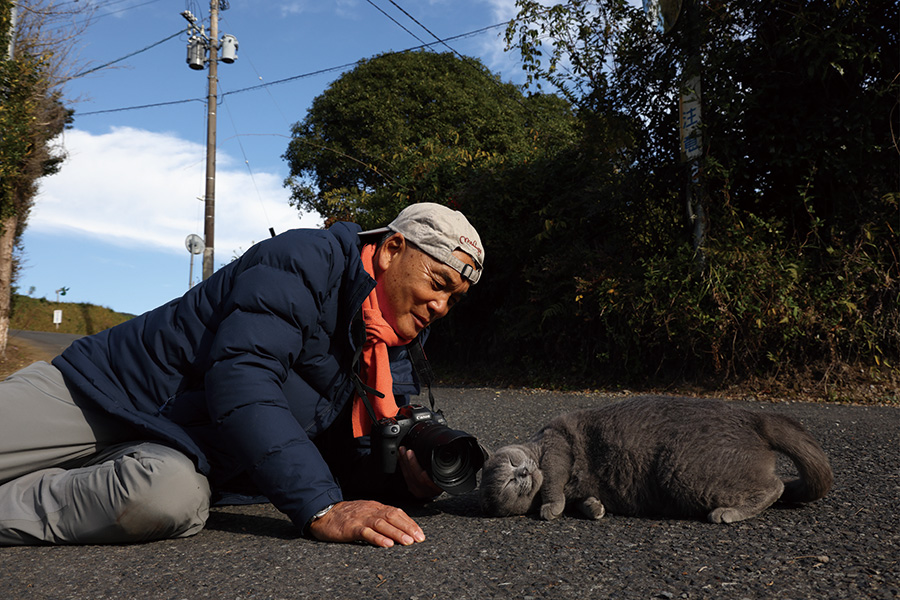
(656, 457)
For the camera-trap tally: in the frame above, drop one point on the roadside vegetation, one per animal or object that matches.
(36, 314)
(777, 276)
(38, 40)
(780, 276)
(80, 318)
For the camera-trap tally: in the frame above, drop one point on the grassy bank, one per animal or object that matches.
(36, 314)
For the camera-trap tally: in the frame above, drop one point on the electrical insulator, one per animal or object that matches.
(229, 48)
(196, 53)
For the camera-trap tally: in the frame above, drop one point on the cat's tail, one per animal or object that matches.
(789, 437)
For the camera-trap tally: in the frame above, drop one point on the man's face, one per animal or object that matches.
(414, 289)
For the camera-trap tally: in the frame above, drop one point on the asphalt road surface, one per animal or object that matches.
(46, 343)
(846, 545)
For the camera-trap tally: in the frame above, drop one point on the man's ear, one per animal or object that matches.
(388, 251)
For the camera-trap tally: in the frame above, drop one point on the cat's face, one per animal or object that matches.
(510, 482)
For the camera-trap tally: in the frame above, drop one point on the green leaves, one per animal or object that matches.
(591, 272)
(410, 127)
(800, 178)
(31, 115)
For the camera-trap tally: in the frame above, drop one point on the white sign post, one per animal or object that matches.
(57, 317)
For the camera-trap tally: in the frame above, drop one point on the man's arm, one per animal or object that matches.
(270, 317)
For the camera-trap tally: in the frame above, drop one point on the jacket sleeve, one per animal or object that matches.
(273, 312)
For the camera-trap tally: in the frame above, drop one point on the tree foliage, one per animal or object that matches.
(798, 94)
(591, 276)
(404, 127)
(32, 115)
(800, 107)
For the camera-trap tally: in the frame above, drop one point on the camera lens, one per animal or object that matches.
(452, 458)
(447, 460)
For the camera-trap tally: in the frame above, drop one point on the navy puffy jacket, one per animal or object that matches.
(245, 369)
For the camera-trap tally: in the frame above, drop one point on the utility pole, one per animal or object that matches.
(209, 214)
(205, 49)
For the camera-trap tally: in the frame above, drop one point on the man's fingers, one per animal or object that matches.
(402, 530)
(417, 480)
(376, 539)
(386, 535)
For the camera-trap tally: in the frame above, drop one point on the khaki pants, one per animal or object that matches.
(72, 475)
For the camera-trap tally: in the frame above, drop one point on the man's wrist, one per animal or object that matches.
(319, 515)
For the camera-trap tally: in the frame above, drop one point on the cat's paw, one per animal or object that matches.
(592, 508)
(552, 510)
(726, 515)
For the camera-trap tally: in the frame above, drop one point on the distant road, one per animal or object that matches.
(46, 343)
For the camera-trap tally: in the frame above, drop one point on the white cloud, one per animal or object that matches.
(342, 8)
(138, 188)
(503, 10)
(298, 7)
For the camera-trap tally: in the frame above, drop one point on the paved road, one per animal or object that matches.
(844, 546)
(47, 344)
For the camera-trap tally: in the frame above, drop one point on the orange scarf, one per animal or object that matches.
(376, 365)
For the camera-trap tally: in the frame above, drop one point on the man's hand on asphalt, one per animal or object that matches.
(367, 521)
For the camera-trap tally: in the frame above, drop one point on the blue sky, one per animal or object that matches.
(111, 226)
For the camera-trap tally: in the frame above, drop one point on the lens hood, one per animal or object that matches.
(451, 457)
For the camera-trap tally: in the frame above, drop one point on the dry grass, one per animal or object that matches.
(18, 355)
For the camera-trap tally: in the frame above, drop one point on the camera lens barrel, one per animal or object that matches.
(451, 457)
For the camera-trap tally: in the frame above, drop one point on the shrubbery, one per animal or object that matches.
(592, 277)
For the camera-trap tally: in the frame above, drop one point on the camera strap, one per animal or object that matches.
(422, 366)
(358, 331)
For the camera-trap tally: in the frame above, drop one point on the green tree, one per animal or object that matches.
(798, 94)
(407, 127)
(800, 121)
(31, 116)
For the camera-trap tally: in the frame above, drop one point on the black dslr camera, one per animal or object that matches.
(450, 457)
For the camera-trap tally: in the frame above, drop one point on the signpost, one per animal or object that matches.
(57, 314)
(664, 14)
(691, 154)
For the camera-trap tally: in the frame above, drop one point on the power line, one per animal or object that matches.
(292, 78)
(268, 91)
(154, 105)
(94, 9)
(400, 25)
(112, 62)
(249, 169)
(414, 20)
(355, 63)
(498, 84)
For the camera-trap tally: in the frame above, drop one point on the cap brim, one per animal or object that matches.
(374, 232)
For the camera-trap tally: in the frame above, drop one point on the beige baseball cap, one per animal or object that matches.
(438, 230)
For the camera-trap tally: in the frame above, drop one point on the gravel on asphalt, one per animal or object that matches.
(846, 545)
